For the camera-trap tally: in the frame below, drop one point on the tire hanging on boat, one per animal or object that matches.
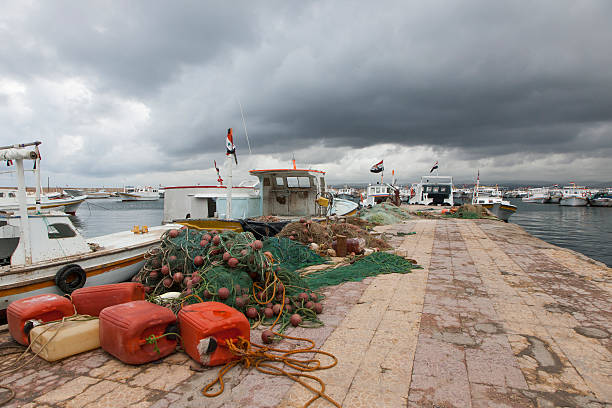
(75, 273)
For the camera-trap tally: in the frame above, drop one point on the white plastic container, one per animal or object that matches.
(73, 337)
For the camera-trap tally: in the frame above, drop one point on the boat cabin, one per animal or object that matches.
(278, 192)
(290, 192)
(52, 234)
(434, 190)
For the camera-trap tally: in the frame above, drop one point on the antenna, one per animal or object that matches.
(244, 125)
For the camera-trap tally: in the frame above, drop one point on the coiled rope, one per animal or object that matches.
(263, 358)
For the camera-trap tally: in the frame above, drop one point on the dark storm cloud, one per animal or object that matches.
(480, 79)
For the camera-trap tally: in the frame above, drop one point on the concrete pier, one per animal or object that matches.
(496, 318)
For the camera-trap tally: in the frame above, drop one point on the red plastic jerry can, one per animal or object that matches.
(128, 330)
(44, 308)
(91, 300)
(206, 326)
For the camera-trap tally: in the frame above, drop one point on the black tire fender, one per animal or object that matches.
(67, 272)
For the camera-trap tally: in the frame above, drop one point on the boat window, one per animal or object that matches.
(267, 182)
(11, 195)
(293, 182)
(58, 230)
(1, 195)
(280, 181)
(304, 181)
(435, 189)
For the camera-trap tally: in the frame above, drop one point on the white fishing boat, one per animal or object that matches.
(491, 199)
(282, 193)
(140, 194)
(574, 196)
(602, 199)
(42, 252)
(538, 195)
(376, 194)
(69, 205)
(434, 190)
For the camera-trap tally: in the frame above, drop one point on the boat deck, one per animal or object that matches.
(496, 317)
(128, 238)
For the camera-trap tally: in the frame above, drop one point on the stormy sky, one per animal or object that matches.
(142, 92)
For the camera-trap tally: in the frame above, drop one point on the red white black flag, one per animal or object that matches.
(229, 144)
(378, 167)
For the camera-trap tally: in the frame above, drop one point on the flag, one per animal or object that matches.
(435, 166)
(219, 179)
(378, 167)
(229, 144)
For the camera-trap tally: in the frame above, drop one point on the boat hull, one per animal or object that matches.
(601, 202)
(501, 211)
(573, 201)
(534, 200)
(554, 200)
(138, 197)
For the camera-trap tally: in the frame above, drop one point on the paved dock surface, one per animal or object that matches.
(496, 318)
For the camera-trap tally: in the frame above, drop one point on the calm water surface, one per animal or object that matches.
(105, 216)
(583, 229)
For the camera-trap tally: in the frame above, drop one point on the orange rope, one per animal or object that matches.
(261, 357)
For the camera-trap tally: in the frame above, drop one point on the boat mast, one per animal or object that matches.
(37, 165)
(19, 154)
(228, 210)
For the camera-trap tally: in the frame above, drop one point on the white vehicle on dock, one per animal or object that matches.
(44, 253)
(434, 190)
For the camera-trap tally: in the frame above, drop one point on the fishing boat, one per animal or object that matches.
(140, 194)
(602, 199)
(285, 194)
(69, 205)
(491, 199)
(434, 190)
(574, 196)
(42, 252)
(376, 194)
(538, 195)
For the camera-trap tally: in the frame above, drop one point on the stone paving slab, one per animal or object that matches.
(496, 318)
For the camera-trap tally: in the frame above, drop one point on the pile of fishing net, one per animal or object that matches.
(469, 211)
(308, 232)
(384, 214)
(353, 231)
(235, 269)
(260, 279)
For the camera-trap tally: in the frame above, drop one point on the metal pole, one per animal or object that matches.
(37, 184)
(23, 212)
(228, 211)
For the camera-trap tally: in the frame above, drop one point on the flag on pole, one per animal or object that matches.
(219, 179)
(229, 145)
(435, 166)
(378, 167)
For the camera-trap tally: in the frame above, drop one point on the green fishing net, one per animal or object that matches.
(377, 263)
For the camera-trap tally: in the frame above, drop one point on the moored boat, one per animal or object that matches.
(491, 199)
(574, 196)
(140, 194)
(43, 252)
(69, 205)
(601, 199)
(434, 190)
(538, 195)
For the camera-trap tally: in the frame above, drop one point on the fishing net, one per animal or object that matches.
(353, 231)
(383, 214)
(377, 263)
(291, 255)
(307, 232)
(260, 279)
(469, 211)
